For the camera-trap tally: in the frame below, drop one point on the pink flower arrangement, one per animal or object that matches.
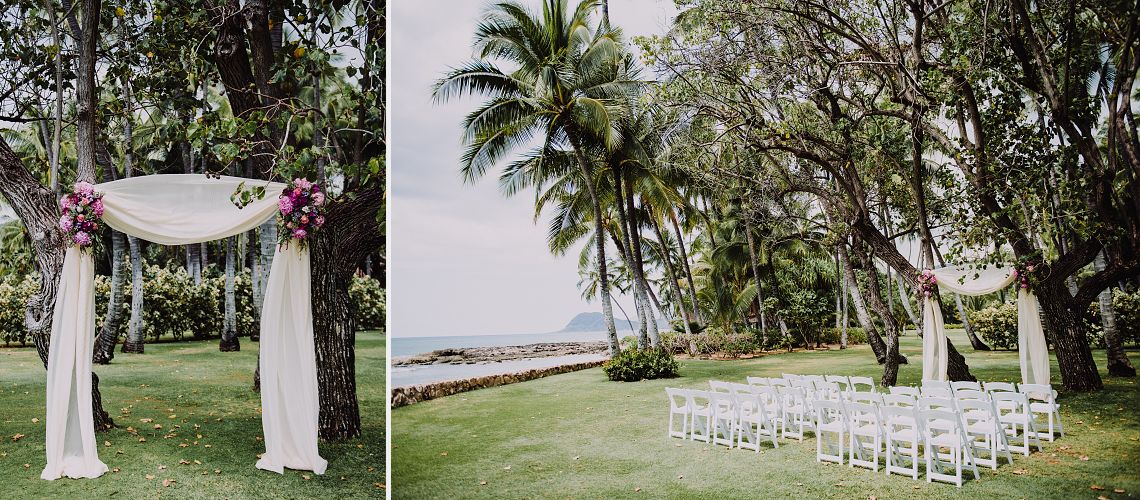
(928, 283)
(1025, 273)
(301, 205)
(82, 214)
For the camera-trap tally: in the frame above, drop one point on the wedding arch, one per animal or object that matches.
(1033, 353)
(178, 210)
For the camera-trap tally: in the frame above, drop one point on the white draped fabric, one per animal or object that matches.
(175, 210)
(1033, 352)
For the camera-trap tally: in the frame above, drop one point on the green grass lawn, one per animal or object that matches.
(209, 418)
(579, 436)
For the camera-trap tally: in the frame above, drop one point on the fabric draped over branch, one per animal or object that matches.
(177, 210)
(1033, 352)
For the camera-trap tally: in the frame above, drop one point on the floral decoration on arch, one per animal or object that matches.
(928, 283)
(1026, 272)
(301, 206)
(82, 214)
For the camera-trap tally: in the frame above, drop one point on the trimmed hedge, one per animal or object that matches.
(996, 325)
(632, 365)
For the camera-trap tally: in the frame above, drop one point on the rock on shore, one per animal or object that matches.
(471, 355)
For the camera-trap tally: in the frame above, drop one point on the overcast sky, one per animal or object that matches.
(464, 259)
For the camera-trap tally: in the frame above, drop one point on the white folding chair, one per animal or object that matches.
(942, 430)
(936, 403)
(857, 384)
(866, 434)
(940, 384)
(757, 417)
(1000, 386)
(902, 434)
(778, 382)
(1015, 417)
(936, 392)
(796, 414)
(701, 410)
(984, 429)
(679, 406)
(829, 391)
(965, 384)
(1043, 401)
(905, 389)
(758, 381)
(841, 380)
(724, 414)
(830, 420)
(870, 398)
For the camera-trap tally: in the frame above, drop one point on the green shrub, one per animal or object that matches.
(631, 365)
(997, 325)
(715, 340)
(1127, 308)
(14, 294)
(855, 335)
(368, 301)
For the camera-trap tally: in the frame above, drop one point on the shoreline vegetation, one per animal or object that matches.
(498, 354)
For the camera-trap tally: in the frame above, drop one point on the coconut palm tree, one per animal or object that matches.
(566, 88)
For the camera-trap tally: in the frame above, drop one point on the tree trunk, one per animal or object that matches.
(625, 245)
(350, 234)
(108, 336)
(1118, 363)
(671, 275)
(639, 266)
(1064, 325)
(135, 333)
(230, 341)
(754, 261)
(600, 243)
(876, 342)
(890, 324)
(685, 263)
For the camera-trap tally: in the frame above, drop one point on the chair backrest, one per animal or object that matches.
(814, 378)
(829, 390)
(828, 411)
(742, 394)
(1039, 392)
(678, 398)
(871, 398)
(842, 380)
(899, 400)
(1010, 403)
(724, 402)
(937, 422)
(777, 382)
(1000, 386)
(965, 384)
(970, 394)
(897, 418)
(720, 386)
(976, 410)
(858, 382)
(791, 376)
(936, 403)
(942, 384)
(757, 380)
(792, 395)
(937, 392)
(699, 399)
(905, 389)
(862, 413)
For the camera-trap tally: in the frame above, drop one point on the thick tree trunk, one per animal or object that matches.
(1118, 362)
(890, 324)
(1064, 325)
(230, 341)
(639, 266)
(671, 275)
(350, 234)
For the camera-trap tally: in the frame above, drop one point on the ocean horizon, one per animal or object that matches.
(410, 346)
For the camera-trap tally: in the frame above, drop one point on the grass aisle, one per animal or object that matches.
(210, 431)
(579, 436)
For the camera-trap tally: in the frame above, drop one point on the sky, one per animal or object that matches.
(464, 259)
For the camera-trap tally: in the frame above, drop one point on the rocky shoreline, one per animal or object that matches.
(498, 354)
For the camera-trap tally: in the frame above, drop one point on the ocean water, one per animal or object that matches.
(403, 376)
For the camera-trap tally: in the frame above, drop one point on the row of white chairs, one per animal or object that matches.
(956, 424)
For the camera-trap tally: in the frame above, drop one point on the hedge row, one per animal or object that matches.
(997, 324)
(175, 306)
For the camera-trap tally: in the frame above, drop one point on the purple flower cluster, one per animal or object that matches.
(1023, 273)
(928, 282)
(82, 213)
(302, 210)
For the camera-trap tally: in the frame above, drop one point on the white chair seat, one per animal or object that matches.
(866, 430)
(835, 426)
(948, 439)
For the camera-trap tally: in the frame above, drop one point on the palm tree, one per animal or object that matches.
(568, 89)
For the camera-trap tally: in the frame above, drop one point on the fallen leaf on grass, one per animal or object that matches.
(27, 466)
(35, 420)
(577, 457)
(443, 454)
(504, 468)
(184, 445)
(116, 469)
(146, 420)
(799, 484)
(157, 426)
(1097, 487)
(1118, 490)
(150, 476)
(637, 489)
(1065, 447)
(1020, 472)
(17, 437)
(217, 471)
(197, 462)
(107, 444)
(167, 482)
(482, 483)
(183, 462)
(305, 477)
(379, 485)
(839, 485)
(142, 440)
(161, 467)
(1084, 458)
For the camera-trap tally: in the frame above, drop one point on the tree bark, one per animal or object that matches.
(754, 261)
(350, 234)
(876, 342)
(671, 275)
(890, 324)
(135, 342)
(625, 246)
(639, 265)
(696, 317)
(600, 244)
(1118, 362)
(229, 342)
(1063, 322)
